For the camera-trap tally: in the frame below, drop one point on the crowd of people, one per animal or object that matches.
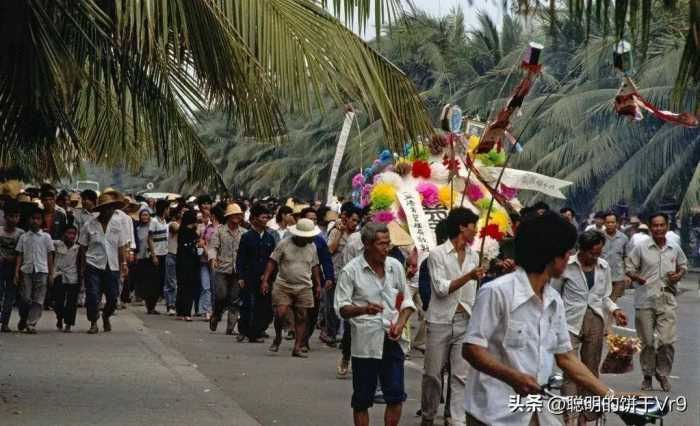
(486, 330)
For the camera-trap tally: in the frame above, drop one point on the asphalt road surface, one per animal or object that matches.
(158, 371)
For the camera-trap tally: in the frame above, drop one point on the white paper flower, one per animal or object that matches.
(491, 248)
(439, 173)
(391, 178)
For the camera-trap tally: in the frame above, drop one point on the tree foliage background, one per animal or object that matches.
(570, 128)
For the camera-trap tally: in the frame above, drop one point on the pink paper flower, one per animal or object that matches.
(429, 194)
(508, 192)
(365, 197)
(357, 181)
(384, 216)
(474, 192)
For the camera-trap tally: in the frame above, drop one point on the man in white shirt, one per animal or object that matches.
(586, 289)
(658, 267)
(614, 253)
(103, 258)
(454, 269)
(518, 329)
(638, 237)
(598, 222)
(373, 295)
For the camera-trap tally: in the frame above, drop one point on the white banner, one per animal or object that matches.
(418, 224)
(522, 179)
(339, 151)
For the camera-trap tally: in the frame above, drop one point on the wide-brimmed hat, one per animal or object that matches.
(305, 228)
(330, 216)
(118, 195)
(24, 198)
(10, 188)
(643, 227)
(398, 236)
(108, 199)
(232, 209)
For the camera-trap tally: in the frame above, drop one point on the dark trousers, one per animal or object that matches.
(331, 319)
(65, 300)
(345, 343)
(312, 320)
(148, 284)
(97, 283)
(246, 323)
(227, 297)
(8, 291)
(187, 289)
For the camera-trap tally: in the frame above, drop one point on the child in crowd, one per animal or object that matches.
(66, 285)
(9, 235)
(35, 262)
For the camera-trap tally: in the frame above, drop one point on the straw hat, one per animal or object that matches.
(305, 228)
(10, 188)
(118, 195)
(232, 209)
(398, 236)
(24, 198)
(330, 216)
(108, 199)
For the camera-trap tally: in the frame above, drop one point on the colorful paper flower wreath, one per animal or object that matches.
(421, 169)
(428, 194)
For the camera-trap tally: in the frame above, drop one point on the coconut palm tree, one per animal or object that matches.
(634, 20)
(117, 81)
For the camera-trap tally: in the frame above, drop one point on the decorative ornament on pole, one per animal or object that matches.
(500, 128)
(631, 104)
(622, 57)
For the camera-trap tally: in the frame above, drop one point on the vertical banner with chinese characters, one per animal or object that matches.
(418, 223)
(339, 151)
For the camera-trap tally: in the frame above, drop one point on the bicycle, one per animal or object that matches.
(644, 411)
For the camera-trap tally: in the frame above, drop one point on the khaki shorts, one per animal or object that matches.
(298, 298)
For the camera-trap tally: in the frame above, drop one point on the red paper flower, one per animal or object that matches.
(421, 169)
(492, 231)
(451, 165)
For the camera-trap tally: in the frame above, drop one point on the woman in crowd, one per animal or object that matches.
(187, 266)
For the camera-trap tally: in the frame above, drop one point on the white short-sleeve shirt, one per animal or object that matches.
(102, 248)
(521, 331)
(35, 248)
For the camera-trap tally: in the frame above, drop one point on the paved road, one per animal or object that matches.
(155, 370)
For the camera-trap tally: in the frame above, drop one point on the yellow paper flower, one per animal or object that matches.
(473, 143)
(382, 196)
(448, 197)
(500, 218)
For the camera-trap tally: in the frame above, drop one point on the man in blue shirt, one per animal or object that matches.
(254, 251)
